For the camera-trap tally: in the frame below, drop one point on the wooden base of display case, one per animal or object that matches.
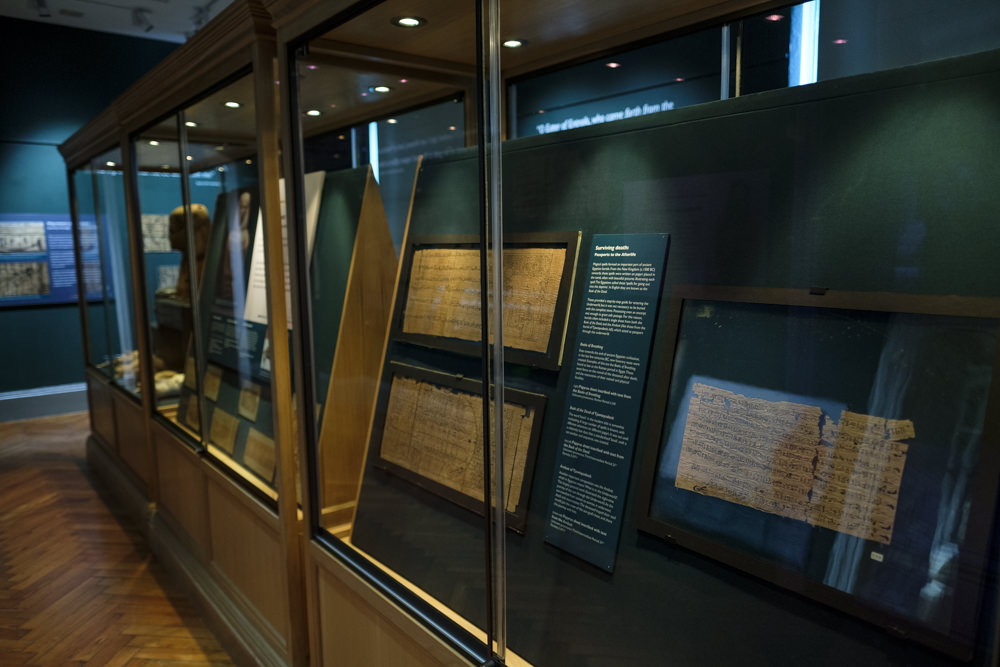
(221, 545)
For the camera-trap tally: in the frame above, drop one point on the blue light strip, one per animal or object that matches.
(373, 148)
(803, 49)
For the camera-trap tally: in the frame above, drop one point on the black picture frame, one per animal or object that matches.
(956, 636)
(517, 519)
(551, 359)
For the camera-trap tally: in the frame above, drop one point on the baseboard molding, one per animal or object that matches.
(223, 615)
(43, 401)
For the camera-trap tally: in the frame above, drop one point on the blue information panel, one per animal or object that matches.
(597, 441)
(36, 258)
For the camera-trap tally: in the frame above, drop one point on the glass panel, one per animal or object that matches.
(410, 498)
(762, 434)
(119, 306)
(220, 160)
(167, 263)
(99, 352)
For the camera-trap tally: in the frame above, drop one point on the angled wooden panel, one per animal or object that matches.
(357, 626)
(183, 490)
(357, 361)
(133, 447)
(102, 411)
(247, 552)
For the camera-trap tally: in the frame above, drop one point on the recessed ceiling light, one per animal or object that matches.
(312, 67)
(249, 162)
(233, 105)
(340, 137)
(514, 43)
(364, 94)
(191, 123)
(313, 112)
(403, 80)
(613, 65)
(452, 128)
(380, 89)
(221, 169)
(392, 121)
(840, 41)
(188, 157)
(154, 142)
(409, 21)
(679, 79)
(110, 163)
(774, 18)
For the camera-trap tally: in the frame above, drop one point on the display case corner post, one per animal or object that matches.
(269, 175)
(147, 392)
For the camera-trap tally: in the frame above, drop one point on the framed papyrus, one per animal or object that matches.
(835, 443)
(441, 295)
(429, 430)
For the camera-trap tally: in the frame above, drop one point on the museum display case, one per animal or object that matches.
(748, 332)
(556, 333)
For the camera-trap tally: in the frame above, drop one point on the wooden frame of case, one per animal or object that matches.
(515, 520)
(552, 358)
(984, 492)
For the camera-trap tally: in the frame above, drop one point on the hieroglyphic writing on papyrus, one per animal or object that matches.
(22, 237)
(436, 432)
(857, 481)
(444, 295)
(223, 430)
(24, 279)
(792, 460)
(259, 455)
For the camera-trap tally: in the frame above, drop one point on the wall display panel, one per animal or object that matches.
(857, 470)
(441, 295)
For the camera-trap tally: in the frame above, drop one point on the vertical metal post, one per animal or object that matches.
(726, 63)
(195, 278)
(495, 212)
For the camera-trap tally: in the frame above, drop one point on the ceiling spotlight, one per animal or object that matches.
(190, 123)
(392, 121)
(452, 128)
(154, 142)
(188, 157)
(340, 137)
(249, 162)
(364, 94)
(513, 43)
(313, 112)
(403, 80)
(409, 21)
(312, 67)
(380, 89)
(110, 163)
(233, 105)
(840, 41)
(613, 65)
(774, 18)
(679, 79)
(222, 169)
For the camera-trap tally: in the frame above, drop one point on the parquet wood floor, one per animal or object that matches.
(78, 586)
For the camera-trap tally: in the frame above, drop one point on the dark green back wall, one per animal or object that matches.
(54, 80)
(884, 182)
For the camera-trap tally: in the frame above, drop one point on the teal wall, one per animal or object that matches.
(55, 80)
